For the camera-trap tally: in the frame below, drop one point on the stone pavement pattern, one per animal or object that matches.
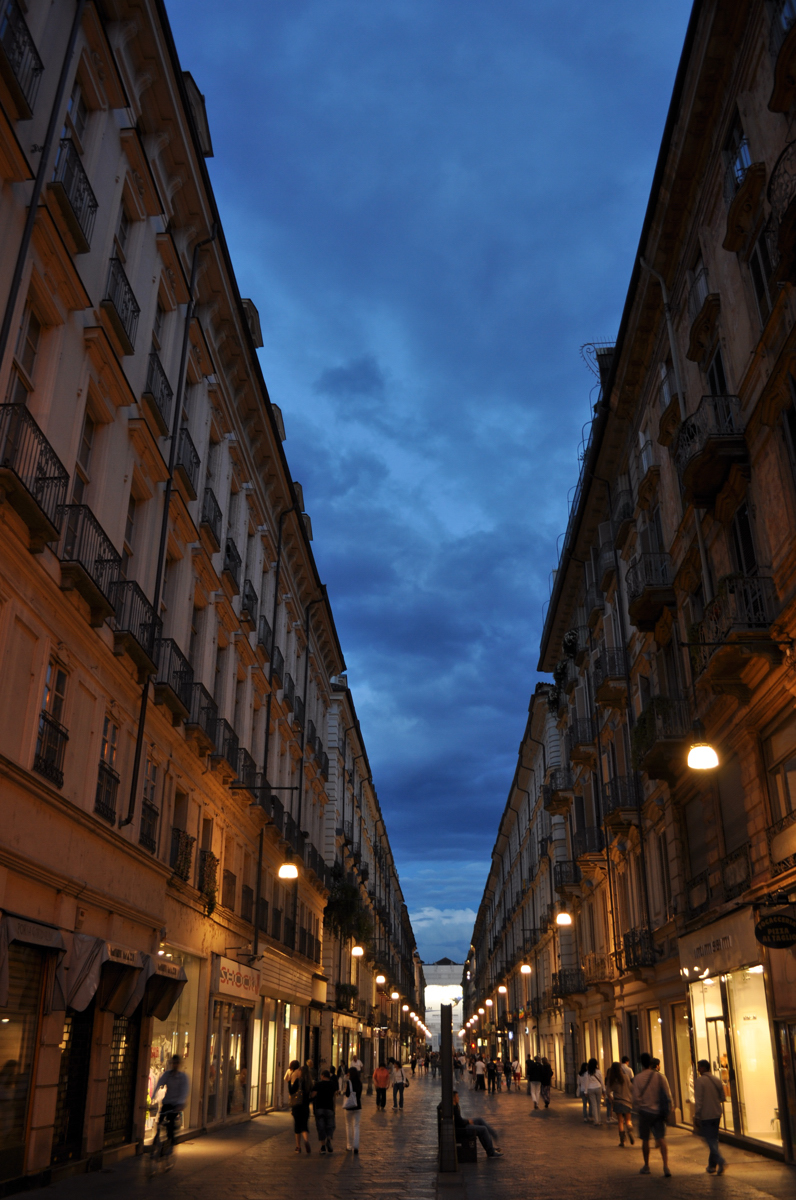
(550, 1153)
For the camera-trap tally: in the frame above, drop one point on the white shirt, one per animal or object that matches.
(357, 1063)
(480, 1068)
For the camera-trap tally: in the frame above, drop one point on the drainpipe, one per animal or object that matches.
(38, 184)
(164, 525)
(667, 309)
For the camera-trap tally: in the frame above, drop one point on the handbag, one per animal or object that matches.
(350, 1098)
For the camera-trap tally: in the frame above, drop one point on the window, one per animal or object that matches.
(780, 754)
(761, 271)
(157, 328)
(20, 384)
(110, 734)
(789, 424)
(731, 805)
(123, 233)
(107, 778)
(663, 866)
(743, 543)
(150, 812)
(52, 737)
(196, 629)
(129, 528)
(697, 841)
(81, 480)
(76, 116)
(736, 155)
(717, 380)
(668, 387)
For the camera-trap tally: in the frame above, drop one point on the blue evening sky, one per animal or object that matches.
(433, 204)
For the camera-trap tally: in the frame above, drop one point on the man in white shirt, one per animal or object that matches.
(356, 1061)
(479, 1070)
(652, 1100)
(708, 1109)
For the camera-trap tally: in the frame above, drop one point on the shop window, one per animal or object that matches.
(731, 805)
(178, 1034)
(681, 1022)
(780, 754)
(122, 1079)
(70, 1104)
(18, 1032)
(754, 1064)
(655, 1033)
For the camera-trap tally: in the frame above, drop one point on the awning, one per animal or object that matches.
(103, 969)
(33, 933)
(159, 986)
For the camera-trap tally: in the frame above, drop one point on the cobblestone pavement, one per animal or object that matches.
(550, 1153)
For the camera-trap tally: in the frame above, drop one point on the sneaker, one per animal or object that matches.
(722, 1168)
(710, 1170)
(644, 1171)
(667, 1173)
(323, 1149)
(497, 1153)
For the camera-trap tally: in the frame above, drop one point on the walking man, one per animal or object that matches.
(533, 1073)
(708, 1109)
(652, 1100)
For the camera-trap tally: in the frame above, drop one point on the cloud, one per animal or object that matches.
(361, 377)
(443, 932)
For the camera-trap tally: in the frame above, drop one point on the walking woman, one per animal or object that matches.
(595, 1089)
(620, 1089)
(547, 1080)
(299, 1095)
(582, 1090)
(398, 1081)
(352, 1110)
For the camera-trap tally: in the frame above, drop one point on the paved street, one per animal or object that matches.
(551, 1153)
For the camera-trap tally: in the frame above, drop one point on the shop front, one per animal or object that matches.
(234, 994)
(175, 1031)
(724, 968)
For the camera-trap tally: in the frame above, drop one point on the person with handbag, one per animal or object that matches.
(592, 1084)
(299, 1098)
(652, 1101)
(352, 1109)
(708, 1109)
(620, 1089)
(399, 1081)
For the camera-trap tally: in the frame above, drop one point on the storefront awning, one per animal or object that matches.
(159, 985)
(94, 967)
(33, 933)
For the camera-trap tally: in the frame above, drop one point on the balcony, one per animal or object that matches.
(107, 792)
(566, 877)
(594, 605)
(581, 742)
(782, 47)
(120, 309)
(230, 571)
(621, 802)
(781, 227)
(225, 759)
(597, 969)
(50, 749)
(622, 514)
(181, 855)
(76, 204)
(248, 605)
(264, 636)
(735, 628)
(588, 843)
(703, 312)
(89, 562)
(289, 690)
(187, 464)
(210, 523)
(345, 997)
(311, 735)
(609, 677)
(208, 877)
(202, 719)
(157, 395)
(229, 888)
(298, 713)
(558, 793)
(32, 477)
(649, 589)
(136, 629)
(743, 186)
(20, 66)
(246, 778)
(637, 949)
(174, 679)
(606, 564)
(781, 838)
(661, 737)
(565, 674)
(569, 982)
(577, 644)
(710, 443)
(736, 872)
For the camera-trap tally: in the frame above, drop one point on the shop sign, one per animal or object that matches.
(777, 931)
(720, 947)
(34, 934)
(231, 978)
(172, 970)
(123, 955)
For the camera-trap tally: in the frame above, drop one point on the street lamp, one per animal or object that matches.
(380, 980)
(404, 1008)
(502, 989)
(525, 969)
(357, 951)
(702, 757)
(288, 869)
(563, 918)
(395, 996)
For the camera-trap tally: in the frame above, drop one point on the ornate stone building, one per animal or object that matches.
(671, 623)
(169, 711)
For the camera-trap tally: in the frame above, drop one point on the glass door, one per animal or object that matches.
(716, 1034)
(214, 1064)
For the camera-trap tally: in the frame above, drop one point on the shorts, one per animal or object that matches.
(621, 1106)
(651, 1124)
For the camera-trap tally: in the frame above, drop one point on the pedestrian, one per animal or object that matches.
(515, 1067)
(652, 1100)
(528, 1067)
(381, 1081)
(399, 1081)
(434, 1062)
(491, 1074)
(620, 1089)
(533, 1071)
(626, 1067)
(352, 1110)
(595, 1089)
(479, 1072)
(175, 1096)
(508, 1072)
(413, 1062)
(299, 1098)
(547, 1081)
(323, 1094)
(342, 1075)
(708, 1110)
(484, 1132)
(356, 1062)
(582, 1090)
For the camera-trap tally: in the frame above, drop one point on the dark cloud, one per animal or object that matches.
(433, 206)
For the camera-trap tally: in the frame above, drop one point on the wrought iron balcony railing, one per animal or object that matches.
(158, 393)
(135, 620)
(181, 856)
(203, 714)
(264, 635)
(174, 672)
(621, 794)
(288, 690)
(715, 417)
(211, 517)
(588, 841)
(247, 770)
(226, 740)
(187, 463)
(298, 712)
(121, 305)
(232, 564)
(89, 561)
(743, 604)
(568, 982)
(638, 949)
(566, 874)
(20, 63)
(33, 477)
(50, 749)
(107, 791)
(208, 875)
(248, 603)
(75, 195)
(648, 570)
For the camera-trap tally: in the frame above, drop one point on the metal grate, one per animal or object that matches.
(121, 1080)
(70, 1105)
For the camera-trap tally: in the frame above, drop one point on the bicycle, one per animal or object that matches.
(160, 1155)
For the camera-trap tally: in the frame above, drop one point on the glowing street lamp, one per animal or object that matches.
(525, 969)
(357, 951)
(702, 757)
(395, 996)
(563, 918)
(288, 869)
(380, 980)
(502, 989)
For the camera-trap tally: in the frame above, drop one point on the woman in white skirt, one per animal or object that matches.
(352, 1109)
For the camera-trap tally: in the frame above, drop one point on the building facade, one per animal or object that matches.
(671, 624)
(169, 712)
